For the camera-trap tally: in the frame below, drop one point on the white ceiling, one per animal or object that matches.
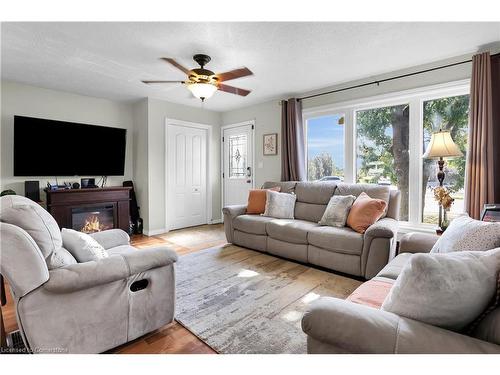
(110, 59)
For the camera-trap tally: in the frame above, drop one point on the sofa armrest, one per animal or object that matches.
(417, 242)
(111, 238)
(347, 327)
(230, 212)
(233, 211)
(385, 228)
(117, 267)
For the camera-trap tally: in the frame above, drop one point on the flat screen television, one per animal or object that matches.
(58, 148)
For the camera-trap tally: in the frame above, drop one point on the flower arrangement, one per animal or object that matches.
(442, 196)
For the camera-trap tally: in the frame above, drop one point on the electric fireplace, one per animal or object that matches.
(93, 219)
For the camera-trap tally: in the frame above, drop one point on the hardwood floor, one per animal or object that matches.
(172, 338)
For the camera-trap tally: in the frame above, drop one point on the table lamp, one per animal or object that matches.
(441, 146)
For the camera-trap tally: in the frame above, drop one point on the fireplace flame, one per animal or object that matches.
(92, 225)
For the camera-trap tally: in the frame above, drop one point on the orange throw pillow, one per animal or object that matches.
(365, 211)
(257, 200)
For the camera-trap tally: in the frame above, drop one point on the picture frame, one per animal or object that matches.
(491, 213)
(270, 144)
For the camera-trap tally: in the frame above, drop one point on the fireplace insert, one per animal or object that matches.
(93, 219)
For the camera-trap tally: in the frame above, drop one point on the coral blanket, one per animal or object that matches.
(372, 293)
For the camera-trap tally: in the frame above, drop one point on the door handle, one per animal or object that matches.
(249, 172)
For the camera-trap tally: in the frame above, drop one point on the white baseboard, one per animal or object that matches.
(216, 221)
(155, 232)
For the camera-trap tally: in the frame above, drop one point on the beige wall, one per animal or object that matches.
(20, 99)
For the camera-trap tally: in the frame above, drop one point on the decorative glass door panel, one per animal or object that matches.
(238, 147)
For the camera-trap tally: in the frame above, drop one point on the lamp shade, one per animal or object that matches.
(202, 90)
(442, 146)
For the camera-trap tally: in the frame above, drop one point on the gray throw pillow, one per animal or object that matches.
(82, 246)
(337, 210)
(465, 233)
(445, 290)
(280, 205)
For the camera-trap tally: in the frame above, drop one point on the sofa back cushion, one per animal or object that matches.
(257, 200)
(285, 186)
(30, 216)
(312, 199)
(382, 192)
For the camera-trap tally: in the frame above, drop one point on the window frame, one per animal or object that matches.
(415, 98)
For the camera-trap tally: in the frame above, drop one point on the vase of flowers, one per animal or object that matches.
(444, 199)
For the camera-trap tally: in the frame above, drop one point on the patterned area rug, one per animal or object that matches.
(243, 301)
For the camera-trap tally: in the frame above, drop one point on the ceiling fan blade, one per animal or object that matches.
(233, 74)
(176, 64)
(233, 90)
(153, 82)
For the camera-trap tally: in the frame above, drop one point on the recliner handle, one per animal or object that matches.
(139, 285)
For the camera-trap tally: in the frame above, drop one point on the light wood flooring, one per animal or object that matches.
(172, 338)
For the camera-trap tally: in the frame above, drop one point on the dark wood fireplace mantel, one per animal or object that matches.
(60, 204)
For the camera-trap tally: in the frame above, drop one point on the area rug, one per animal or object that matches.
(243, 301)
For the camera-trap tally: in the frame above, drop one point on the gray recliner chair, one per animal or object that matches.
(68, 307)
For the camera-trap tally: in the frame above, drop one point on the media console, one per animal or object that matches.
(90, 210)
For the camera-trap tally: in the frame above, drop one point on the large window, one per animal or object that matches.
(325, 147)
(381, 140)
(383, 149)
(452, 114)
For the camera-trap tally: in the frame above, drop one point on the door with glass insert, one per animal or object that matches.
(237, 164)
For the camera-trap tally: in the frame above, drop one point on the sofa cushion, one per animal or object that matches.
(257, 200)
(465, 233)
(31, 217)
(294, 231)
(315, 192)
(337, 210)
(255, 224)
(395, 266)
(382, 192)
(279, 205)
(445, 290)
(83, 246)
(285, 186)
(309, 211)
(340, 240)
(365, 212)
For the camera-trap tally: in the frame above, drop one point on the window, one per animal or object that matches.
(452, 114)
(325, 147)
(382, 149)
(237, 156)
(381, 140)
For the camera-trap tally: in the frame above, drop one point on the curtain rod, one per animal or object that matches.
(378, 82)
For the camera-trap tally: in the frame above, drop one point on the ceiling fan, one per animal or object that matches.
(203, 83)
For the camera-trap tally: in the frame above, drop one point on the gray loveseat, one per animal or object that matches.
(82, 307)
(304, 240)
(338, 326)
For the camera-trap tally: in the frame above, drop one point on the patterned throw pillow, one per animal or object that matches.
(337, 210)
(467, 234)
(280, 205)
(82, 246)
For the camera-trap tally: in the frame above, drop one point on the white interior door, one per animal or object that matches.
(237, 164)
(186, 176)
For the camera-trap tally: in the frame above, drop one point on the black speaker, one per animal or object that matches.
(32, 190)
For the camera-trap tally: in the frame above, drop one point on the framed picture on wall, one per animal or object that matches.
(270, 143)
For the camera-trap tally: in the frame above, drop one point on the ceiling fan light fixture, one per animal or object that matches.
(202, 90)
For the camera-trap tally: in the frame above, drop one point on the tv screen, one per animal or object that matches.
(58, 148)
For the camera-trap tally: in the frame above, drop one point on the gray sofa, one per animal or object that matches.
(340, 326)
(304, 240)
(81, 307)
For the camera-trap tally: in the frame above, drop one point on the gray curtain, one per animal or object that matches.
(480, 156)
(495, 91)
(293, 160)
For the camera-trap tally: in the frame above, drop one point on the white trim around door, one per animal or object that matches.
(209, 160)
(222, 156)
